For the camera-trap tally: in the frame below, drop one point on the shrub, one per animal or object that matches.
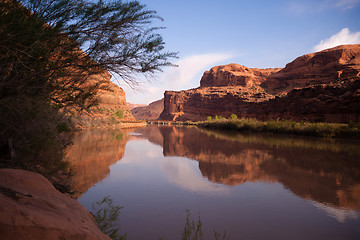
(106, 216)
(218, 118)
(233, 117)
(119, 114)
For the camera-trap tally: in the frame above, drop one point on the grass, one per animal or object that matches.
(107, 214)
(328, 130)
(193, 230)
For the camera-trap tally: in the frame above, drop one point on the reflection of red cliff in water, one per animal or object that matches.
(311, 168)
(91, 155)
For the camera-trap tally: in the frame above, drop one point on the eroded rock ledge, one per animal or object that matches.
(31, 208)
(321, 86)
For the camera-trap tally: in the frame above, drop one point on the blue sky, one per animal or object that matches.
(254, 33)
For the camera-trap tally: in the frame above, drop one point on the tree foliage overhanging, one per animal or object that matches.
(48, 51)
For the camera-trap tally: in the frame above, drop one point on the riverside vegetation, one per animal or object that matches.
(328, 130)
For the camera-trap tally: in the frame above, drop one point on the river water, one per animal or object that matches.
(251, 186)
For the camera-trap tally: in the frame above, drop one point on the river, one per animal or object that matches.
(252, 186)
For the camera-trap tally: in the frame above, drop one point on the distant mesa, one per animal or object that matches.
(321, 86)
(131, 106)
(149, 112)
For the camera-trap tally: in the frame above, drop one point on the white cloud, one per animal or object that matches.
(311, 7)
(347, 4)
(186, 75)
(340, 38)
(181, 77)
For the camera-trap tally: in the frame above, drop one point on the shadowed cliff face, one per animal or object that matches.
(320, 170)
(91, 155)
(151, 111)
(321, 86)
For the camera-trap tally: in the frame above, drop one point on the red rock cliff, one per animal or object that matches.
(321, 86)
(111, 100)
(235, 75)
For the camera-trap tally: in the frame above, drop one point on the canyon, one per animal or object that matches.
(321, 87)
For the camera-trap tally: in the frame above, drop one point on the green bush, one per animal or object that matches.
(233, 117)
(119, 114)
(218, 118)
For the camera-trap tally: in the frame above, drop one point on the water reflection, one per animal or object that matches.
(326, 171)
(91, 155)
(289, 187)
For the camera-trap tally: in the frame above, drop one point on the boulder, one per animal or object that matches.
(31, 208)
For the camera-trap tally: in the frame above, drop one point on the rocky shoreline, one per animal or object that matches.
(31, 208)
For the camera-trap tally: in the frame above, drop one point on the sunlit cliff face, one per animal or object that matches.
(320, 86)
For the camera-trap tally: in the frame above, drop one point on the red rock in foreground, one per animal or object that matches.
(31, 208)
(322, 86)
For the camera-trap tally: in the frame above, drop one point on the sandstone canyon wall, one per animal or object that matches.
(149, 112)
(110, 100)
(321, 86)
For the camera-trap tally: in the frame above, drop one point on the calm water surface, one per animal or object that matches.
(251, 186)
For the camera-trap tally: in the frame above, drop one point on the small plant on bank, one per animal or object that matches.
(233, 117)
(119, 114)
(106, 215)
(209, 118)
(193, 230)
(218, 118)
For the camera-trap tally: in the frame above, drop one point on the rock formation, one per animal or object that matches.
(150, 112)
(31, 208)
(133, 105)
(110, 101)
(321, 86)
